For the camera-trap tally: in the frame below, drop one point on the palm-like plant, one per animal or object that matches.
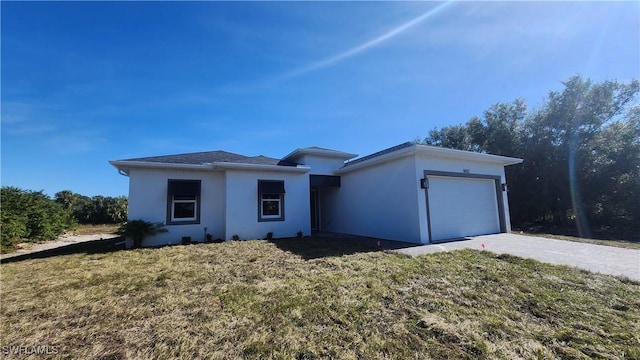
(138, 230)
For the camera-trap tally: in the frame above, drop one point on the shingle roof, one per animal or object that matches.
(380, 153)
(208, 157)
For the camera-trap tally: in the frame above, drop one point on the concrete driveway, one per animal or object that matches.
(596, 258)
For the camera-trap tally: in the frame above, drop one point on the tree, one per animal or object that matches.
(96, 210)
(581, 154)
(66, 198)
(615, 171)
(116, 210)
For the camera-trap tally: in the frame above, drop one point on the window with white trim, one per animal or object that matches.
(184, 208)
(183, 202)
(270, 200)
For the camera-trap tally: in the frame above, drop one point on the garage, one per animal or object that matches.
(461, 205)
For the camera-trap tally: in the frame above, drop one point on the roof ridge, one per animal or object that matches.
(207, 157)
(183, 154)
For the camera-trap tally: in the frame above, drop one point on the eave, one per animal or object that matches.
(125, 166)
(433, 151)
(467, 155)
(334, 154)
(260, 167)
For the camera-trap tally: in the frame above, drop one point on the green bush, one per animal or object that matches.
(94, 210)
(31, 216)
(139, 229)
(14, 227)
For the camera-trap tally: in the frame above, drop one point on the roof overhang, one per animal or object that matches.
(467, 155)
(125, 166)
(259, 167)
(327, 153)
(429, 151)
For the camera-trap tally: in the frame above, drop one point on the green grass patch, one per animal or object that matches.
(315, 298)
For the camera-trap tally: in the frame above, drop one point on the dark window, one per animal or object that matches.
(271, 186)
(183, 202)
(270, 200)
(184, 208)
(316, 181)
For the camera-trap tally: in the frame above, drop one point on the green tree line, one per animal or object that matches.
(581, 151)
(33, 216)
(93, 210)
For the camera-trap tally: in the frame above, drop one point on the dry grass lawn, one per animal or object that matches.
(89, 229)
(314, 298)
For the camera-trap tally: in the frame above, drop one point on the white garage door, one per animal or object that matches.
(460, 207)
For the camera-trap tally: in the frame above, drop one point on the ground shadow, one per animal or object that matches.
(318, 245)
(87, 247)
(321, 245)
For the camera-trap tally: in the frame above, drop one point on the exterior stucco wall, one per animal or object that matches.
(148, 201)
(321, 165)
(456, 166)
(382, 200)
(377, 201)
(242, 205)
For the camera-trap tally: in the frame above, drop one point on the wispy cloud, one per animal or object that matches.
(243, 88)
(20, 129)
(522, 26)
(75, 142)
(19, 118)
(15, 112)
(335, 59)
(55, 126)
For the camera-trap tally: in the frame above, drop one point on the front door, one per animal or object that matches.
(314, 209)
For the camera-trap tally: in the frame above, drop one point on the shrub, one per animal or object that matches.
(138, 230)
(31, 216)
(14, 228)
(94, 210)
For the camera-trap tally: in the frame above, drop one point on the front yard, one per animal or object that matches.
(313, 298)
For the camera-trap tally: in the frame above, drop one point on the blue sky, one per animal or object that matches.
(88, 82)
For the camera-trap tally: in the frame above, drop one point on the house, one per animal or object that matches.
(409, 192)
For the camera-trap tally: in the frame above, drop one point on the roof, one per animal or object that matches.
(380, 153)
(208, 160)
(317, 151)
(226, 160)
(410, 148)
(207, 157)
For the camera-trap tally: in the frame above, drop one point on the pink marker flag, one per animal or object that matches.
(483, 245)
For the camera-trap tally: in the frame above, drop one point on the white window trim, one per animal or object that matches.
(173, 208)
(263, 200)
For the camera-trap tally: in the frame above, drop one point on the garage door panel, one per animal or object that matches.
(460, 206)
